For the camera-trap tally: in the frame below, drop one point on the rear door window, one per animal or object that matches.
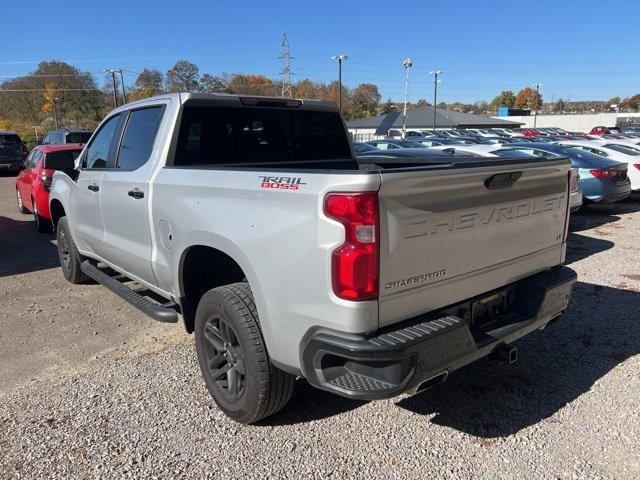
(139, 135)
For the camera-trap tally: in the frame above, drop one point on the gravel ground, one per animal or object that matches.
(128, 400)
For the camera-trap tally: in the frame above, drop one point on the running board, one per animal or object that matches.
(157, 312)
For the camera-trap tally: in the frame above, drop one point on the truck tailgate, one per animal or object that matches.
(448, 234)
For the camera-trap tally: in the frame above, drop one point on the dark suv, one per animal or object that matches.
(67, 136)
(13, 151)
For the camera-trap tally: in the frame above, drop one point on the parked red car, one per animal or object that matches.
(526, 132)
(604, 130)
(34, 181)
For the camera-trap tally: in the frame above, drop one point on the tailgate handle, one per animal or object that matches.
(502, 180)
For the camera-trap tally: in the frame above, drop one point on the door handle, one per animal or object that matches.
(93, 187)
(136, 193)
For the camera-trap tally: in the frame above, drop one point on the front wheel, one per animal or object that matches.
(233, 357)
(70, 258)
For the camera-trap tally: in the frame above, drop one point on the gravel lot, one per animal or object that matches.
(89, 387)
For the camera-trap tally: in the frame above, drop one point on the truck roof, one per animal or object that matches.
(232, 99)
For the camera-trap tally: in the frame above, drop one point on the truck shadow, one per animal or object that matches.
(595, 216)
(580, 247)
(555, 367)
(23, 248)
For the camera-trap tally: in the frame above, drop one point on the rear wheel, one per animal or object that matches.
(233, 357)
(43, 225)
(21, 208)
(70, 259)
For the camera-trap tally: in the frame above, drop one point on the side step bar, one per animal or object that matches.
(154, 310)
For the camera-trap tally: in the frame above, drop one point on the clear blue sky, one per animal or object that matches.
(577, 49)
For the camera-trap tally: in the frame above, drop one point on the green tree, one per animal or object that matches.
(183, 77)
(79, 102)
(505, 98)
(422, 103)
(149, 83)
(560, 106)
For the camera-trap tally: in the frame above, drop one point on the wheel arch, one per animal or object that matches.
(203, 267)
(57, 211)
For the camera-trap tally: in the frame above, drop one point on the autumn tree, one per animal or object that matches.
(252, 84)
(422, 103)
(213, 84)
(387, 107)
(528, 98)
(505, 98)
(364, 101)
(149, 83)
(79, 101)
(183, 77)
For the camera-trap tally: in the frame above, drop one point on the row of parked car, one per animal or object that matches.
(605, 166)
(57, 151)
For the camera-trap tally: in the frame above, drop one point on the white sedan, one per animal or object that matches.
(619, 152)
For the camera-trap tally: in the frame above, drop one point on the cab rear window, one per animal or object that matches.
(228, 135)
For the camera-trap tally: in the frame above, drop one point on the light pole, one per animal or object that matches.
(535, 115)
(435, 74)
(340, 58)
(35, 127)
(408, 63)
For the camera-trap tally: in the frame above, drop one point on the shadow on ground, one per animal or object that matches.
(594, 215)
(23, 249)
(580, 247)
(555, 367)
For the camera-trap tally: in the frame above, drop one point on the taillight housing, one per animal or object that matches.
(354, 264)
(637, 165)
(603, 173)
(45, 180)
(565, 234)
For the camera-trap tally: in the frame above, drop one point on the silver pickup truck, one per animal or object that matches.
(252, 220)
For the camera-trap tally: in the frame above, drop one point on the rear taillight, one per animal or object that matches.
(565, 234)
(637, 165)
(603, 173)
(45, 180)
(354, 264)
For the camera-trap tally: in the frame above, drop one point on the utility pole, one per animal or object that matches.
(435, 74)
(35, 127)
(285, 71)
(340, 59)
(124, 93)
(55, 110)
(535, 115)
(408, 63)
(113, 71)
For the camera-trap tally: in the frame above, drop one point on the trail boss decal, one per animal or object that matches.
(281, 183)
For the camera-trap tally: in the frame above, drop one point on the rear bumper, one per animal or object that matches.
(402, 358)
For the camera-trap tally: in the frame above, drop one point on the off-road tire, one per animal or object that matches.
(70, 259)
(265, 389)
